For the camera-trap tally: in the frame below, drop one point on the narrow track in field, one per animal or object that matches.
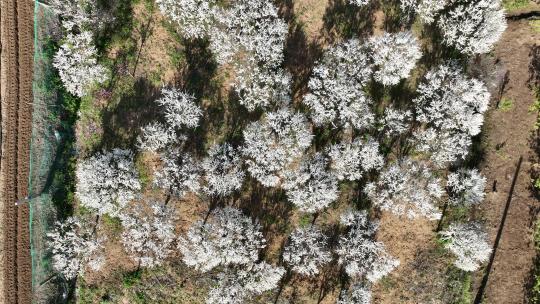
(16, 70)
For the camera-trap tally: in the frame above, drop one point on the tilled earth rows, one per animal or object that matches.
(16, 105)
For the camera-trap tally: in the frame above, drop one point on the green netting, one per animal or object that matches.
(46, 141)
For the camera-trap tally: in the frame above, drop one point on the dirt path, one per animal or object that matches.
(510, 130)
(16, 92)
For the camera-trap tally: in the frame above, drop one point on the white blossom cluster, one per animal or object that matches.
(180, 173)
(361, 256)
(307, 251)
(76, 62)
(107, 181)
(473, 27)
(180, 109)
(155, 137)
(238, 284)
(466, 187)
(194, 18)
(249, 27)
(311, 187)
(336, 96)
(148, 236)
(426, 9)
(359, 2)
(222, 169)
(349, 161)
(227, 237)
(273, 143)
(261, 87)
(79, 14)
(394, 56)
(469, 242)
(395, 121)
(356, 294)
(407, 188)
(452, 105)
(73, 249)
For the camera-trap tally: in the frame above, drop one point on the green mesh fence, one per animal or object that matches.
(46, 141)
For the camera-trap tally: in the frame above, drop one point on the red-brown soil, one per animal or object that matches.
(16, 93)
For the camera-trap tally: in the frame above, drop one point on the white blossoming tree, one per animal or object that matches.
(74, 249)
(349, 161)
(272, 144)
(395, 121)
(466, 187)
(311, 187)
(469, 243)
(473, 27)
(76, 62)
(194, 18)
(452, 106)
(262, 87)
(148, 234)
(107, 181)
(249, 27)
(361, 256)
(155, 137)
(180, 173)
(238, 284)
(407, 188)
(336, 96)
(427, 10)
(226, 238)
(222, 169)
(306, 251)
(394, 56)
(180, 109)
(356, 294)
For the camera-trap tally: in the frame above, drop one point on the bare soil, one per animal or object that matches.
(16, 90)
(507, 137)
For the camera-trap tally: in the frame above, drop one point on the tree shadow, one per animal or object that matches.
(343, 20)
(122, 122)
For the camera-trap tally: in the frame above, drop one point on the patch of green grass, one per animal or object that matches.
(506, 104)
(305, 220)
(131, 278)
(459, 285)
(535, 24)
(142, 169)
(112, 223)
(511, 5)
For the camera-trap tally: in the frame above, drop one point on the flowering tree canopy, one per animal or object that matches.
(193, 17)
(73, 249)
(356, 294)
(452, 105)
(155, 137)
(350, 161)
(236, 285)
(76, 62)
(473, 27)
(222, 169)
(273, 143)
(466, 187)
(226, 238)
(394, 56)
(407, 188)
(148, 236)
(180, 108)
(336, 96)
(311, 187)
(249, 27)
(361, 256)
(307, 251)
(426, 9)
(179, 174)
(469, 243)
(107, 181)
